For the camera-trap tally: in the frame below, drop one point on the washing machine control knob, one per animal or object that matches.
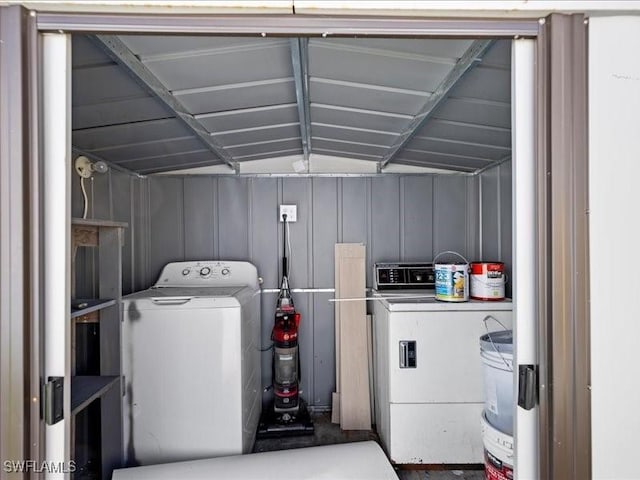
(204, 271)
(185, 272)
(225, 271)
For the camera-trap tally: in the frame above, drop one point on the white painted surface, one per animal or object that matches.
(614, 233)
(208, 273)
(524, 238)
(415, 303)
(431, 413)
(492, 8)
(191, 361)
(485, 8)
(322, 164)
(357, 460)
(57, 228)
(435, 433)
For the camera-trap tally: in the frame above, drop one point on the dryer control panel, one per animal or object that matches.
(209, 273)
(404, 275)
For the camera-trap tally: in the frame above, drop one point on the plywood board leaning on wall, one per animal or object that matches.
(352, 375)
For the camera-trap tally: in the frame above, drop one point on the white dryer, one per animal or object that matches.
(191, 363)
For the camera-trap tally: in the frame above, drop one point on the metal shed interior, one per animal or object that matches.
(154, 104)
(401, 144)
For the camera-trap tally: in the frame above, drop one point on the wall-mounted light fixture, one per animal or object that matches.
(85, 168)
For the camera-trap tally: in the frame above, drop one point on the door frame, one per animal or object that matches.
(561, 222)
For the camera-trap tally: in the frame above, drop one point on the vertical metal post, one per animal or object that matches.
(13, 415)
(524, 211)
(563, 308)
(56, 116)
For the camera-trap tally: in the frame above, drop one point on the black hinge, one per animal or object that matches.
(527, 386)
(54, 400)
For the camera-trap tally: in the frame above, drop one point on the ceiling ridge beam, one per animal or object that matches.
(349, 142)
(133, 122)
(165, 168)
(119, 51)
(204, 52)
(272, 153)
(138, 144)
(379, 113)
(300, 62)
(371, 86)
(163, 155)
(493, 164)
(462, 142)
(383, 52)
(240, 111)
(452, 155)
(254, 129)
(263, 142)
(231, 86)
(443, 166)
(479, 126)
(481, 101)
(344, 152)
(355, 129)
(471, 57)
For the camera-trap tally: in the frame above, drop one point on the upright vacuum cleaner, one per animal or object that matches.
(288, 413)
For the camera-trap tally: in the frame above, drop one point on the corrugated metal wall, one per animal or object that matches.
(409, 217)
(111, 197)
(495, 231)
(397, 217)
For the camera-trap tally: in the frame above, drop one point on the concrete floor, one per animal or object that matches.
(327, 433)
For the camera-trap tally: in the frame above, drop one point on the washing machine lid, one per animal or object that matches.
(188, 298)
(199, 292)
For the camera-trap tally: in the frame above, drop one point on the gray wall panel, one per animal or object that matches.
(490, 239)
(474, 206)
(233, 214)
(121, 185)
(100, 199)
(199, 205)
(267, 309)
(325, 231)
(496, 236)
(385, 219)
(296, 191)
(506, 221)
(265, 247)
(166, 242)
(417, 218)
(304, 305)
(354, 226)
(449, 218)
(174, 217)
(324, 358)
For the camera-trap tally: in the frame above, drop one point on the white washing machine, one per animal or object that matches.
(428, 370)
(191, 363)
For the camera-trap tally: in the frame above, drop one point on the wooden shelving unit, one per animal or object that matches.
(86, 388)
(96, 384)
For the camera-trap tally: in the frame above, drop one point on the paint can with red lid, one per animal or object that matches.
(487, 280)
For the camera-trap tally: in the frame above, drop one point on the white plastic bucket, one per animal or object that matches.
(496, 350)
(452, 279)
(498, 452)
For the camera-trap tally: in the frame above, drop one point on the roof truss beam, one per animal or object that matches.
(300, 62)
(121, 54)
(471, 57)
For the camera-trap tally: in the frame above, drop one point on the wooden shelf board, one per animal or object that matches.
(93, 222)
(92, 305)
(86, 388)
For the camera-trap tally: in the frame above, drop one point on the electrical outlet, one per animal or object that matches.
(291, 211)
